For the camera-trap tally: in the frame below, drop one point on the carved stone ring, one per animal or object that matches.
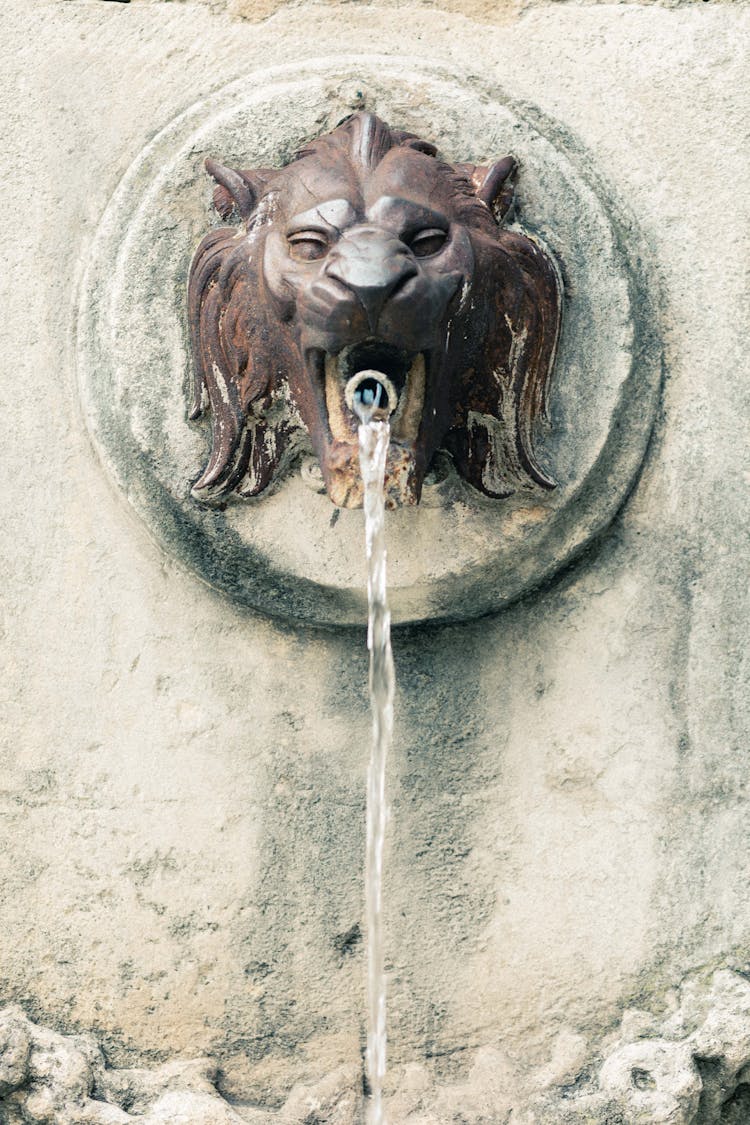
(329, 256)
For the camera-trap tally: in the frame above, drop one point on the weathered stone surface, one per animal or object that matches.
(485, 11)
(15, 1047)
(657, 1070)
(51, 1079)
(181, 805)
(59, 1080)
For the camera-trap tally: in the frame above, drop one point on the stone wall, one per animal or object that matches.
(182, 796)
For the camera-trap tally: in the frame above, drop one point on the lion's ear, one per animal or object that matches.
(494, 184)
(235, 190)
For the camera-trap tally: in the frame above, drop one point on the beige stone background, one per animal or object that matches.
(182, 782)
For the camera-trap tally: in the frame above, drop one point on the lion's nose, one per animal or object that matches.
(372, 267)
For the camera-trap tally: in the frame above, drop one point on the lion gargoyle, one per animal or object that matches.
(368, 253)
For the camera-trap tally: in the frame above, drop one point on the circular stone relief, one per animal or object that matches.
(289, 552)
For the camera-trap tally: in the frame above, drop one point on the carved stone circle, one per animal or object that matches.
(273, 460)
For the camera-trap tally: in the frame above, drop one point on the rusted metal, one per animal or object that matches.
(369, 253)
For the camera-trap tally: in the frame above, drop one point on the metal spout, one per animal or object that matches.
(371, 396)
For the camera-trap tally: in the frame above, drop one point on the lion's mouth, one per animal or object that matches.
(352, 372)
(400, 378)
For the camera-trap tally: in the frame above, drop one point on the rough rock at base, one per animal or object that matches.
(689, 1067)
(51, 1079)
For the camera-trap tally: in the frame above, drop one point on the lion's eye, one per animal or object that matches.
(307, 245)
(427, 242)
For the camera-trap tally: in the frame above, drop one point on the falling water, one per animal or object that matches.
(374, 436)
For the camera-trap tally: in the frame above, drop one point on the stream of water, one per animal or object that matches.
(373, 449)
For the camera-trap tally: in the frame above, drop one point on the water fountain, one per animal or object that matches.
(418, 321)
(184, 775)
(370, 325)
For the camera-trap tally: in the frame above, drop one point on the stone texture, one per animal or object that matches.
(181, 803)
(484, 11)
(688, 1068)
(51, 1079)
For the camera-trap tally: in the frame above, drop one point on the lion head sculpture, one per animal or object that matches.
(368, 253)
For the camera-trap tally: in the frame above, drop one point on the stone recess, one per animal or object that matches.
(182, 782)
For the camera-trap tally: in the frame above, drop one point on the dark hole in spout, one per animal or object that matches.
(371, 396)
(370, 393)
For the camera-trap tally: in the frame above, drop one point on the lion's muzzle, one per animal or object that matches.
(372, 265)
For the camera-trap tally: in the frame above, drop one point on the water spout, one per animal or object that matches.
(374, 436)
(370, 395)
